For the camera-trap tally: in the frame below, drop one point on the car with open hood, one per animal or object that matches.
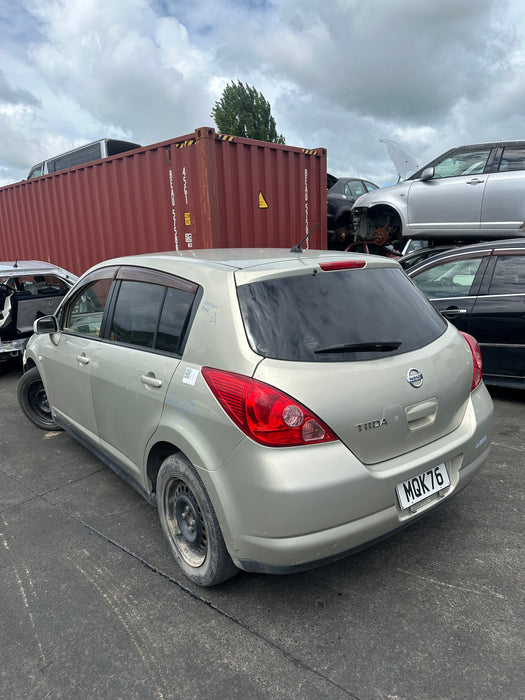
(470, 193)
(275, 424)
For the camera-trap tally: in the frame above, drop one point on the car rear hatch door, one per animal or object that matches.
(384, 408)
(361, 347)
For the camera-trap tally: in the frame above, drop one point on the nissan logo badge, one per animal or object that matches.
(414, 377)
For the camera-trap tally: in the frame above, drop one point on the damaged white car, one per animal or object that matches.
(29, 289)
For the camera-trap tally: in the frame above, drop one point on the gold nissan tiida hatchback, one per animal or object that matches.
(280, 408)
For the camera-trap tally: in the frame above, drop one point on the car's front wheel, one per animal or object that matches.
(190, 524)
(33, 401)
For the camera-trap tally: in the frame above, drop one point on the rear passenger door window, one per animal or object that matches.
(151, 315)
(503, 207)
(509, 275)
(513, 159)
(137, 313)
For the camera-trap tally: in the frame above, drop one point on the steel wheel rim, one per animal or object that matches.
(186, 526)
(37, 399)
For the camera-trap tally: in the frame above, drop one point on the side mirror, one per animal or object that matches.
(427, 174)
(46, 324)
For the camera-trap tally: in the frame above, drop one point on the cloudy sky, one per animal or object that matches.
(429, 74)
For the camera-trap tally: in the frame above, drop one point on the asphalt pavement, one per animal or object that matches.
(92, 606)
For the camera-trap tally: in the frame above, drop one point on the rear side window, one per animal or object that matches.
(341, 316)
(68, 160)
(509, 275)
(174, 315)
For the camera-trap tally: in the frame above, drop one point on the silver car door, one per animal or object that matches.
(69, 356)
(503, 208)
(135, 365)
(452, 198)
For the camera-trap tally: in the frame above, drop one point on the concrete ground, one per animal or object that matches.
(92, 606)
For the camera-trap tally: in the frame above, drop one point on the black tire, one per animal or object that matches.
(32, 398)
(190, 524)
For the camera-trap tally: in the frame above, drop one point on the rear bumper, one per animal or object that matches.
(284, 510)
(372, 529)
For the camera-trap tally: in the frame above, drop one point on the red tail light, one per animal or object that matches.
(476, 357)
(264, 413)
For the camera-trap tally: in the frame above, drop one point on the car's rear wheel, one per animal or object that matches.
(344, 229)
(33, 401)
(190, 524)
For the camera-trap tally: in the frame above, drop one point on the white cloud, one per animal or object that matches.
(339, 74)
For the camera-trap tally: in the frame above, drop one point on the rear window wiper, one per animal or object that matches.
(377, 346)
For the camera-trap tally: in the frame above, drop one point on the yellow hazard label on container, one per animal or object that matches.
(183, 144)
(187, 218)
(263, 204)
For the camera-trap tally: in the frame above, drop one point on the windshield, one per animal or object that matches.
(338, 316)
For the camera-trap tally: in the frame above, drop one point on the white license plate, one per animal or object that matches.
(422, 486)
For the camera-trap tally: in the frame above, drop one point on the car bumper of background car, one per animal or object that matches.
(12, 348)
(284, 510)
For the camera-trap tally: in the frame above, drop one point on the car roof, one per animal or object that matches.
(490, 144)
(506, 244)
(28, 267)
(229, 260)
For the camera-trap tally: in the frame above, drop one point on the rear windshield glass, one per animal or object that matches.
(338, 316)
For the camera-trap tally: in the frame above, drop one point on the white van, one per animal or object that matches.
(92, 151)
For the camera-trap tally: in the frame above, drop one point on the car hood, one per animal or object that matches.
(401, 158)
(372, 407)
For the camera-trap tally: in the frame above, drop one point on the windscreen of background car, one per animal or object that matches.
(293, 318)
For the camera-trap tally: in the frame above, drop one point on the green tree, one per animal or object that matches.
(242, 111)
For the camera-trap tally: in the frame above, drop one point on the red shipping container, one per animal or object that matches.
(202, 190)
